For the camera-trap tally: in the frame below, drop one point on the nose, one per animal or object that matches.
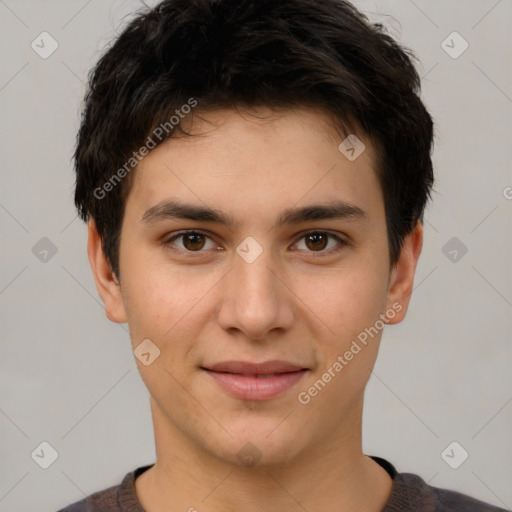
(256, 300)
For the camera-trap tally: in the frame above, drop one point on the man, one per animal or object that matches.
(255, 175)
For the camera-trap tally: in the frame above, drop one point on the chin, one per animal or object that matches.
(253, 443)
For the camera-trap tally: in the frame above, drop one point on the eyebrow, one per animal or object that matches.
(174, 209)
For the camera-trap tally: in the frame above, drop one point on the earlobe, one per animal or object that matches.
(107, 284)
(402, 275)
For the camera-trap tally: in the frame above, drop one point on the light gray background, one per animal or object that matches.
(68, 375)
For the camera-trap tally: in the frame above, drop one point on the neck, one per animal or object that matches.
(331, 476)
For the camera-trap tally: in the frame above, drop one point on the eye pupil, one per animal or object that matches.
(193, 241)
(318, 240)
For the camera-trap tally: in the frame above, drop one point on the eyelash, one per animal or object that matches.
(342, 242)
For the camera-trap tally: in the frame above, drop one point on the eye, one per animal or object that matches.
(318, 241)
(193, 241)
(190, 241)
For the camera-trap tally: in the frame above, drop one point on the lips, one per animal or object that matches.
(255, 381)
(246, 368)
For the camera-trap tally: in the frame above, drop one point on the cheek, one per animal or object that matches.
(347, 300)
(163, 301)
(351, 305)
(164, 306)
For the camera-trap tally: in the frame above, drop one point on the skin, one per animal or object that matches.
(297, 301)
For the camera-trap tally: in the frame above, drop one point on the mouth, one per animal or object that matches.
(255, 381)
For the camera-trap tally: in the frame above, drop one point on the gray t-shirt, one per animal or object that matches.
(409, 493)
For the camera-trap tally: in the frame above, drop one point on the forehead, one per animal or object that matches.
(259, 160)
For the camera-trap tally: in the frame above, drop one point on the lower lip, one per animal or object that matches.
(256, 388)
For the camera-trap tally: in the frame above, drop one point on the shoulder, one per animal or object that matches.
(411, 492)
(452, 500)
(436, 499)
(118, 498)
(101, 501)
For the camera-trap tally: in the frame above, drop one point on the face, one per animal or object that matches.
(256, 241)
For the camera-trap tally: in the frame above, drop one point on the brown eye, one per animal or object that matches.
(321, 243)
(316, 241)
(190, 242)
(193, 241)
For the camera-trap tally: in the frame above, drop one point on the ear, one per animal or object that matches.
(402, 275)
(106, 281)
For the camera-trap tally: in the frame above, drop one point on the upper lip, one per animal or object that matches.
(247, 368)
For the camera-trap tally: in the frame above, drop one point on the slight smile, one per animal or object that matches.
(255, 381)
